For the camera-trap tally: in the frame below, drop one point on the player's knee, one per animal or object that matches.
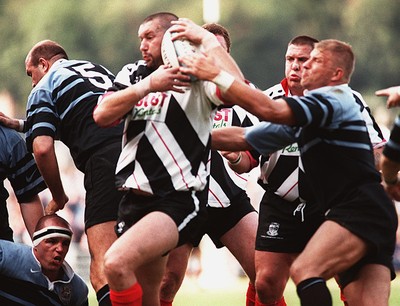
(297, 272)
(270, 286)
(112, 269)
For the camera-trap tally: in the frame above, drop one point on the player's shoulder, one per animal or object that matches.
(275, 91)
(130, 68)
(132, 73)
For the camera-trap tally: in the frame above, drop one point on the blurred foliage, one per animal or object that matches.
(106, 32)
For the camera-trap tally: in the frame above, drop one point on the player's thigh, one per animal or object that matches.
(242, 236)
(371, 287)
(331, 249)
(100, 237)
(144, 241)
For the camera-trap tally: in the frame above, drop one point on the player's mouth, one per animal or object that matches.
(294, 78)
(146, 57)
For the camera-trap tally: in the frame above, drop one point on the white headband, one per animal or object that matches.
(49, 232)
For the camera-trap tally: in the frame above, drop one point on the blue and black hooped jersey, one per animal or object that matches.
(61, 106)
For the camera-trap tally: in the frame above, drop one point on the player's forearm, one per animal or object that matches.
(257, 103)
(46, 160)
(390, 170)
(114, 106)
(229, 139)
(31, 212)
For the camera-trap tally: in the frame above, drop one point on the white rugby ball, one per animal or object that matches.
(171, 50)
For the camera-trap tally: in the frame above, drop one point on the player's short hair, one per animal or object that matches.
(46, 49)
(165, 19)
(218, 29)
(342, 54)
(52, 220)
(303, 40)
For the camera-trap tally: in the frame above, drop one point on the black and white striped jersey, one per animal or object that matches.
(226, 184)
(167, 136)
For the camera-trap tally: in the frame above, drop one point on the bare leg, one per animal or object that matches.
(240, 240)
(371, 288)
(100, 237)
(272, 274)
(175, 272)
(144, 243)
(148, 275)
(332, 249)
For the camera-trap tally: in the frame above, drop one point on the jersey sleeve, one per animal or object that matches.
(24, 175)
(267, 137)
(42, 118)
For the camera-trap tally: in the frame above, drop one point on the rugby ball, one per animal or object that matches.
(171, 50)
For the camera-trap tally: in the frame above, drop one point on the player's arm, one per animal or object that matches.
(46, 160)
(230, 139)
(251, 99)
(240, 162)
(115, 105)
(390, 176)
(31, 212)
(15, 124)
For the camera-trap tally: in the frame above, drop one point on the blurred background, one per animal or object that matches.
(106, 32)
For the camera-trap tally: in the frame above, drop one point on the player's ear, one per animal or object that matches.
(44, 65)
(338, 74)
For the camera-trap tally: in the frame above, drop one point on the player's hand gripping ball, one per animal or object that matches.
(171, 50)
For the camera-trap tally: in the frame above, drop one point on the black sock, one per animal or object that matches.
(103, 296)
(314, 292)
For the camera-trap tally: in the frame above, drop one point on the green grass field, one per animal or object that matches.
(191, 294)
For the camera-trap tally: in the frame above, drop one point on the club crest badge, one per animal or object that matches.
(65, 294)
(273, 229)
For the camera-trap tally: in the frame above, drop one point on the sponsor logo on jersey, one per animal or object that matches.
(223, 118)
(152, 107)
(292, 149)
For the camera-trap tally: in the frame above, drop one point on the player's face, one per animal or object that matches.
(296, 56)
(318, 70)
(51, 253)
(151, 34)
(36, 73)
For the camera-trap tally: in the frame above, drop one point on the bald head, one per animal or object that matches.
(51, 226)
(46, 49)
